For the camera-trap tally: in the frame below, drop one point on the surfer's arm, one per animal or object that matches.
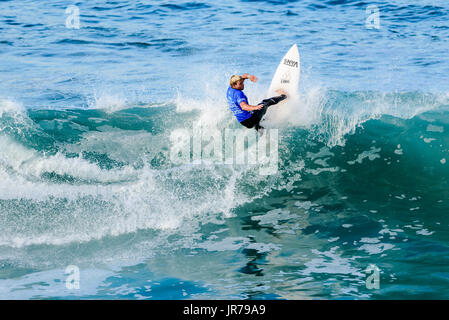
(248, 107)
(249, 76)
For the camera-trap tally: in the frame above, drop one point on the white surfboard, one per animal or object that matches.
(286, 77)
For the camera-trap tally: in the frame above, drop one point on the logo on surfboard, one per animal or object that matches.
(285, 77)
(291, 63)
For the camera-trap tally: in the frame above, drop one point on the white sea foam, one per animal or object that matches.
(91, 202)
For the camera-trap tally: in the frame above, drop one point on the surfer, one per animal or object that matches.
(246, 114)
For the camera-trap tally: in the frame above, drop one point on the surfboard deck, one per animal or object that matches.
(287, 73)
(286, 77)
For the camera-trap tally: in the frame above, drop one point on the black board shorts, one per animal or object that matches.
(257, 115)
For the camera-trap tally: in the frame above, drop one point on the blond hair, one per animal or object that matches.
(234, 80)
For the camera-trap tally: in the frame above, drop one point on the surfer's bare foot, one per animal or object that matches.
(281, 92)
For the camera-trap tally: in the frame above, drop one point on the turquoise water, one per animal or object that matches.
(87, 116)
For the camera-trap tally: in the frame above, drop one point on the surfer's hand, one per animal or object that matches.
(250, 77)
(253, 78)
(258, 107)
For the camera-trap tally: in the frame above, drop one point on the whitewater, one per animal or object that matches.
(87, 177)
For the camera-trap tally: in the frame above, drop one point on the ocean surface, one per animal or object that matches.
(92, 205)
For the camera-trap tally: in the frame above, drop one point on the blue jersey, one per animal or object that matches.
(235, 97)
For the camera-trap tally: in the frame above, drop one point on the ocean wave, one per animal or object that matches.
(79, 175)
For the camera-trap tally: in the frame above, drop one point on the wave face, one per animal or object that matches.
(88, 176)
